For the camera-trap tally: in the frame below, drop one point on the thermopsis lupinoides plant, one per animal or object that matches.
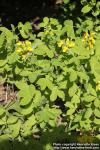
(57, 78)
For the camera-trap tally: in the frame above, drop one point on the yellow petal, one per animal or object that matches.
(60, 43)
(67, 40)
(92, 40)
(71, 44)
(86, 35)
(65, 49)
(18, 50)
(29, 49)
(28, 43)
(98, 82)
(91, 45)
(98, 87)
(19, 43)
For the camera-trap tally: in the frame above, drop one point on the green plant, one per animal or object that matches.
(56, 75)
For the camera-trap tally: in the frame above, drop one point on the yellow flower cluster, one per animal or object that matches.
(89, 39)
(23, 48)
(66, 44)
(98, 86)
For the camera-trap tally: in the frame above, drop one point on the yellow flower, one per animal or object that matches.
(71, 44)
(29, 49)
(83, 40)
(23, 46)
(90, 45)
(98, 82)
(65, 49)
(67, 41)
(98, 86)
(86, 35)
(60, 43)
(18, 50)
(92, 40)
(19, 43)
(27, 43)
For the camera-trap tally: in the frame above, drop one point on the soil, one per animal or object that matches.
(7, 93)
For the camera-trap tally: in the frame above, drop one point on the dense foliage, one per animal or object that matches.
(55, 73)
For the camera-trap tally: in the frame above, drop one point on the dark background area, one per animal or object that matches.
(14, 11)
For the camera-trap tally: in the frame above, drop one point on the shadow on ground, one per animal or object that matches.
(12, 12)
(47, 139)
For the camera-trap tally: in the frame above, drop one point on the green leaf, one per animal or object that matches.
(40, 50)
(70, 111)
(61, 94)
(23, 34)
(97, 45)
(20, 85)
(72, 90)
(27, 110)
(14, 106)
(43, 124)
(12, 58)
(97, 121)
(91, 90)
(42, 83)
(89, 98)
(2, 39)
(12, 119)
(24, 29)
(2, 63)
(46, 20)
(88, 113)
(54, 93)
(26, 94)
(78, 118)
(97, 103)
(15, 128)
(70, 105)
(83, 75)
(69, 28)
(8, 34)
(97, 113)
(33, 76)
(37, 99)
(66, 1)
(31, 120)
(3, 120)
(86, 8)
(47, 114)
(52, 123)
(63, 85)
(73, 127)
(49, 84)
(27, 126)
(50, 53)
(75, 99)
(73, 76)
